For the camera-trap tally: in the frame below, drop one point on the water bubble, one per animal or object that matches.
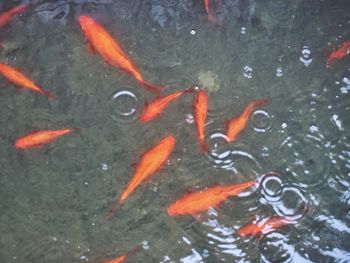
(305, 57)
(247, 72)
(189, 118)
(243, 30)
(279, 72)
(345, 89)
(104, 167)
(193, 32)
(125, 105)
(260, 121)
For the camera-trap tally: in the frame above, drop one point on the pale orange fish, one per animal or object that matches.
(200, 108)
(36, 139)
(6, 16)
(338, 53)
(17, 78)
(265, 226)
(151, 162)
(109, 49)
(198, 202)
(154, 108)
(207, 10)
(238, 123)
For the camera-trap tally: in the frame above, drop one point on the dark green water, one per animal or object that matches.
(53, 199)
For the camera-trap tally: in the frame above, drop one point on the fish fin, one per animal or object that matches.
(90, 48)
(154, 88)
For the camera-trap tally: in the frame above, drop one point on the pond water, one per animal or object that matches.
(54, 198)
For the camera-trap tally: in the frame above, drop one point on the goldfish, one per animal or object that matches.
(197, 202)
(120, 258)
(150, 162)
(200, 108)
(100, 41)
(154, 108)
(36, 139)
(210, 16)
(339, 53)
(238, 123)
(17, 78)
(6, 16)
(258, 228)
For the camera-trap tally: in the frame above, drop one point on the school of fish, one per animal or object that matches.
(152, 160)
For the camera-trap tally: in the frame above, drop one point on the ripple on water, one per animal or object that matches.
(261, 121)
(293, 203)
(306, 159)
(271, 186)
(275, 247)
(236, 157)
(125, 105)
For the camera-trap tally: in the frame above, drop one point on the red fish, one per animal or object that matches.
(197, 202)
(154, 108)
(339, 53)
(238, 123)
(210, 16)
(17, 78)
(109, 49)
(6, 16)
(259, 228)
(200, 108)
(150, 162)
(36, 139)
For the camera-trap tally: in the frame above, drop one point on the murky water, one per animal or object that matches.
(53, 199)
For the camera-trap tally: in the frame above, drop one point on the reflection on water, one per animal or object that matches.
(297, 148)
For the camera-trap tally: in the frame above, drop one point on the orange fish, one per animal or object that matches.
(200, 108)
(17, 78)
(154, 108)
(339, 53)
(150, 162)
(120, 258)
(238, 123)
(6, 16)
(108, 48)
(197, 202)
(38, 138)
(210, 16)
(263, 227)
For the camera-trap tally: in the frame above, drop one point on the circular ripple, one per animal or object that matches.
(306, 159)
(293, 203)
(274, 247)
(271, 186)
(261, 121)
(126, 105)
(236, 157)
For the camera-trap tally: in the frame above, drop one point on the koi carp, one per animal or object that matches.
(150, 162)
(6, 16)
(238, 123)
(108, 48)
(197, 202)
(338, 53)
(17, 78)
(154, 108)
(36, 139)
(265, 226)
(200, 108)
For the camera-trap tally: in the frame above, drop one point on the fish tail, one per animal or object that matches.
(154, 88)
(260, 102)
(211, 19)
(204, 147)
(191, 89)
(111, 211)
(47, 94)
